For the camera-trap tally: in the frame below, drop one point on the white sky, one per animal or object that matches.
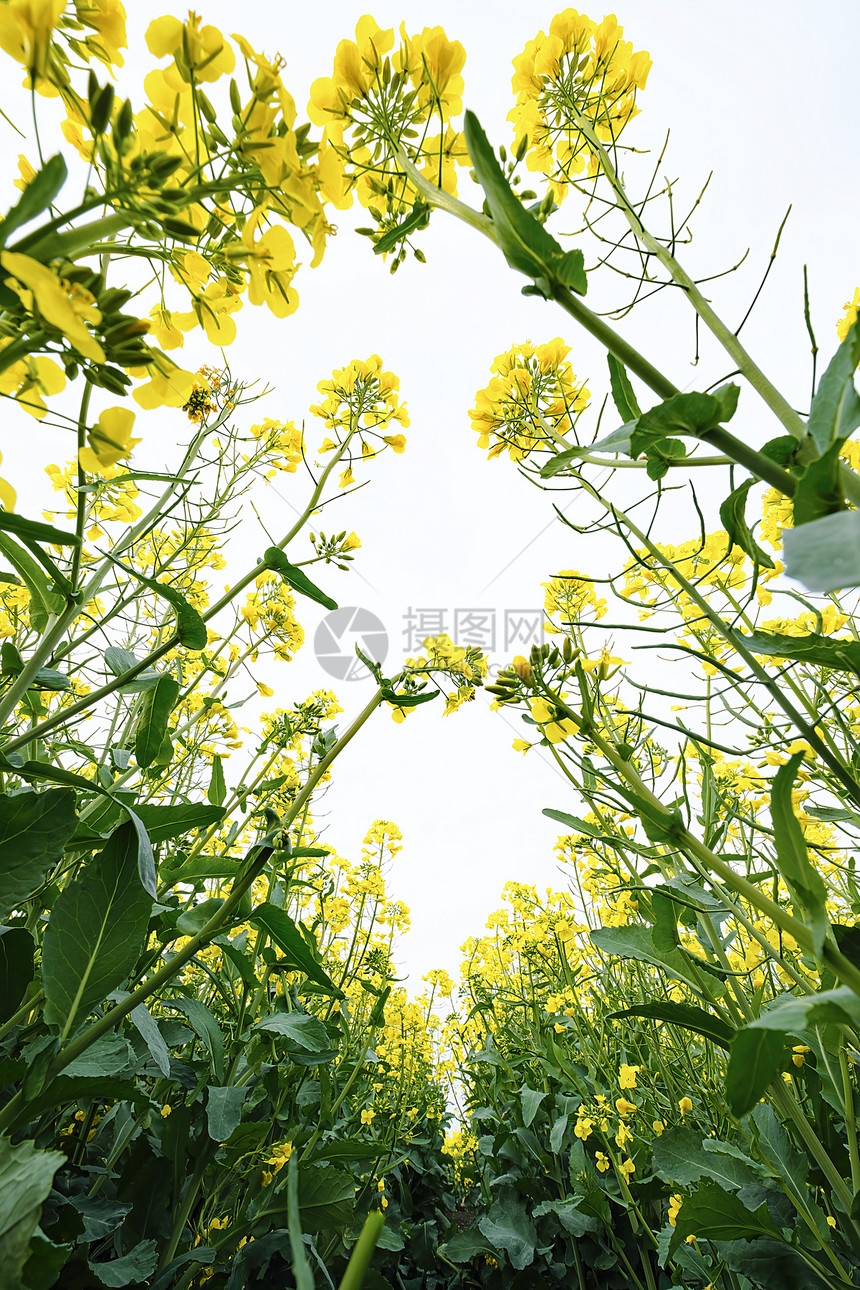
(761, 94)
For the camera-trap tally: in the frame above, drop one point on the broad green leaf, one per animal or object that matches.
(531, 1099)
(835, 410)
(129, 1269)
(771, 1263)
(122, 660)
(151, 729)
(572, 822)
(36, 531)
(224, 1110)
(717, 1215)
(147, 1027)
(509, 1228)
(819, 489)
(34, 829)
(684, 1158)
(17, 951)
(818, 651)
(804, 881)
(660, 454)
(685, 1015)
(525, 243)
(306, 1038)
(217, 790)
(775, 1144)
(274, 558)
(36, 198)
(734, 522)
(46, 1261)
(793, 1014)
(96, 932)
(755, 1061)
(292, 944)
(44, 602)
(101, 1216)
(165, 822)
(465, 1245)
(569, 1216)
(635, 942)
(825, 554)
(326, 1197)
(190, 627)
(693, 414)
(206, 1027)
(193, 920)
(622, 391)
(26, 1176)
(418, 217)
(110, 1055)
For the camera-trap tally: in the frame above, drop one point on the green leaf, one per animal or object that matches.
(465, 1245)
(17, 952)
(531, 1099)
(734, 522)
(418, 217)
(685, 1015)
(755, 1061)
(37, 197)
(408, 700)
(819, 489)
(110, 1055)
(130, 1269)
(326, 1197)
(825, 554)
(193, 920)
(147, 1027)
(34, 829)
(206, 1027)
(44, 602)
(217, 790)
(26, 1176)
(716, 1215)
(274, 558)
(793, 1014)
(156, 707)
(693, 414)
(190, 627)
(306, 1038)
(509, 1228)
(525, 243)
(120, 661)
(792, 858)
(569, 1216)
(775, 1145)
(292, 944)
(96, 932)
(835, 410)
(46, 1262)
(165, 822)
(101, 1216)
(818, 651)
(636, 942)
(684, 1158)
(224, 1110)
(36, 531)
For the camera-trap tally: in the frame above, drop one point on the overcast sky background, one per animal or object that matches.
(759, 93)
